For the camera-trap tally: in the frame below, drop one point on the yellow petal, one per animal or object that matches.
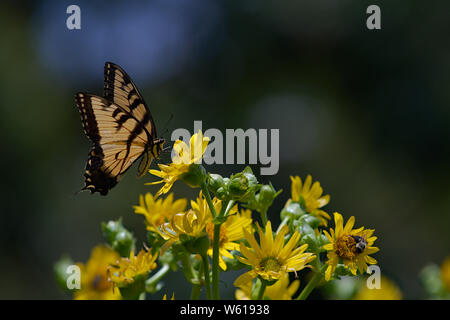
(243, 279)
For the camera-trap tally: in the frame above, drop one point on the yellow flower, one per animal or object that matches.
(353, 247)
(281, 290)
(184, 156)
(272, 259)
(126, 270)
(230, 231)
(445, 273)
(201, 207)
(94, 276)
(156, 212)
(387, 291)
(312, 197)
(191, 223)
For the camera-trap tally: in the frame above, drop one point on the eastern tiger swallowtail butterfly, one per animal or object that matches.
(121, 128)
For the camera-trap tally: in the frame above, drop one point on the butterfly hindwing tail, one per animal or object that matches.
(96, 179)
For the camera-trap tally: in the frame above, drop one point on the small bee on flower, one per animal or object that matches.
(352, 246)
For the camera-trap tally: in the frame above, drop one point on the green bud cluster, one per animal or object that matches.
(218, 186)
(292, 211)
(295, 216)
(262, 200)
(118, 237)
(239, 187)
(309, 235)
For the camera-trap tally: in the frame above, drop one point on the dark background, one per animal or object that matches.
(365, 112)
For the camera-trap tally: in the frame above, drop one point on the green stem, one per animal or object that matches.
(264, 218)
(262, 289)
(188, 269)
(226, 206)
(197, 287)
(150, 283)
(311, 284)
(208, 199)
(206, 274)
(215, 262)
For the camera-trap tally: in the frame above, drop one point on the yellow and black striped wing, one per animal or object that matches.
(120, 89)
(118, 136)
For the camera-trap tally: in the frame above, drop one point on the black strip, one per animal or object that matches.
(131, 93)
(123, 118)
(135, 104)
(116, 112)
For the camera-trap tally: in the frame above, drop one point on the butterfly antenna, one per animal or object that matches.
(166, 126)
(168, 147)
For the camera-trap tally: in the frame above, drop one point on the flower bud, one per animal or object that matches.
(267, 194)
(222, 194)
(195, 176)
(197, 245)
(215, 181)
(119, 238)
(263, 199)
(238, 185)
(218, 186)
(243, 185)
(310, 220)
(292, 210)
(310, 236)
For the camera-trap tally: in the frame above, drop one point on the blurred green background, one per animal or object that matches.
(365, 112)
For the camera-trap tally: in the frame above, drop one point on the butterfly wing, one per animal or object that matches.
(120, 89)
(119, 139)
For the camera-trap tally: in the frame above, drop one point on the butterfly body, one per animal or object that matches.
(121, 128)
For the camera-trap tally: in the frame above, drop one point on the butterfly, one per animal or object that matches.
(121, 128)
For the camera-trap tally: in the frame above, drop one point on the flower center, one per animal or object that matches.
(345, 247)
(270, 264)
